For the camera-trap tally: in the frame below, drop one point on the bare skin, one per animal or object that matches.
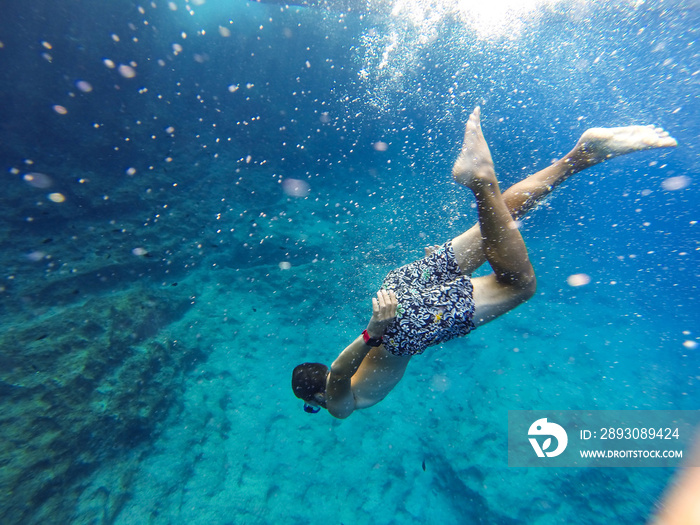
(681, 505)
(362, 376)
(513, 279)
(595, 146)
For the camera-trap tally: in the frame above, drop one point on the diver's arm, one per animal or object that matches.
(340, 400)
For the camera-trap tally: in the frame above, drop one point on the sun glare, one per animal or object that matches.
(499, 18)
(488, 18)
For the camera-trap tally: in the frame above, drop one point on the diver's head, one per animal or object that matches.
(309, 385)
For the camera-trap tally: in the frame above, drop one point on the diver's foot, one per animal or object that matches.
(599, 144)
(474, 166)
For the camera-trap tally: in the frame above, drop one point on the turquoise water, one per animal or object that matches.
(199, 196)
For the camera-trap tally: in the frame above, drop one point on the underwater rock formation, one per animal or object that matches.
(80, 386)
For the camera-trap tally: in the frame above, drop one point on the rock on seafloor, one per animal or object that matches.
(80, 385)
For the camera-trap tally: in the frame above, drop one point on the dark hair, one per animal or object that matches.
(309, 379)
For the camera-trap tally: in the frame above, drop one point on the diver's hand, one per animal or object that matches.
(383, 313)
(429, 250)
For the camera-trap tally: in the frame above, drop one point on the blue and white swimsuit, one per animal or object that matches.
(436, 303)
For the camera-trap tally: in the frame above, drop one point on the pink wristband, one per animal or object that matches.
(370, 341)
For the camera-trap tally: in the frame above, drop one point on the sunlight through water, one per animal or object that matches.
(395, 47)
(493, 18)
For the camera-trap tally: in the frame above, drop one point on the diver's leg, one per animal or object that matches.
(595, 146)
(513, 280)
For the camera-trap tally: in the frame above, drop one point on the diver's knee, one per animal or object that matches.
(529, 287)
(526, 285)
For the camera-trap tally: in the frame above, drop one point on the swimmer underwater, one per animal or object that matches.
(433, 300)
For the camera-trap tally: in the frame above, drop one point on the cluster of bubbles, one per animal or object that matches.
(393, 49)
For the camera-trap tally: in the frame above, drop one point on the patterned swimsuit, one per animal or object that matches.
(436, 303)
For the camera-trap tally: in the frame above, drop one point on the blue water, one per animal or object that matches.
(198, 196)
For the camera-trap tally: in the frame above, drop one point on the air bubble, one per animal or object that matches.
(57, 197)
(676, 183)
(38, 180)
(296, 187)
(126, 71)
(84, 86)
(578, 279)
